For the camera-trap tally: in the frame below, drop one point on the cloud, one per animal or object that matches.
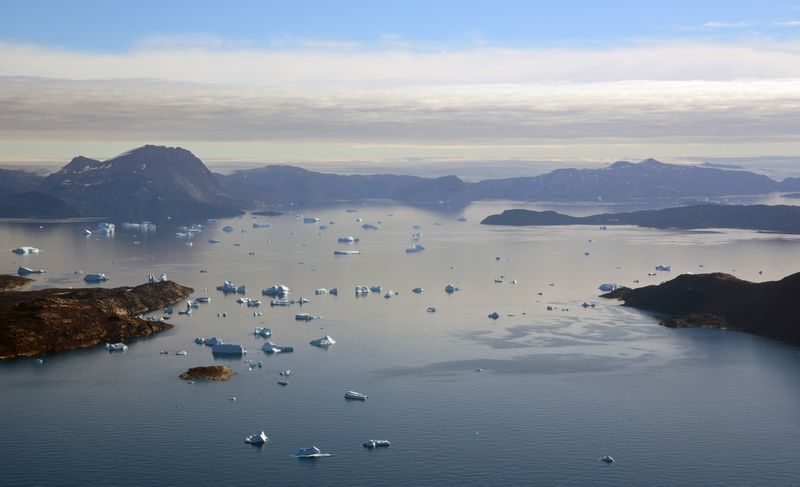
(728, 25)
(787, 23)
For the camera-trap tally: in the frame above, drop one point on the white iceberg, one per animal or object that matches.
(97, 277)
(312, 452)
(262, 332)
(323, 342)
(310, 219)
(25, 250)
(321, 290)
(116, 347)
(608, 287)
(305, 317)
(415, 249)
(270, 347)
(346, 252)
(25, 271)
(376, 443)
(280, 302)
(277, 290)
(257, 439)
(355, 396)
(230, 288)
(362, 290)
(665, 268)
(347, 239)
(105, 229)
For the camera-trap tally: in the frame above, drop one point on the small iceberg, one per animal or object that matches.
(461, 219)
(357, 396)
(346, 252)
(305, 317)
(280, 302)
(415, 249)
(321, 290)
(607, 287)
(105, 229)
(312, 452)
(261, 225)
(323, 342)
(227, 229)
(152, 279)
(116, 347)
(270, 347)
(417, 290)
(86, 232)
(277, 290)
(228, 287)
(495, 315)
(607, 459)
(665, 268)
(431, 309)
(376, 443)
(25, 250)
(253, 303)
(203, 299)
(228, 349)
(369, 226)
(334, 291)
(213, 241)
(26, 271)
(257, 439)
(310, 219)
(95, 278)
(209, 341)
(450, 289)
(262, 332)
(362, 290)
(347, 239)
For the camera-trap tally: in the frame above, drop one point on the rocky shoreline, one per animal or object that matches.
(54, 320)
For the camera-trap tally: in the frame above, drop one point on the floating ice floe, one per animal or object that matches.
(116, 347)
(277, 290)
(25, 271)
(431, 309)
(362, 290)
(270, 347)
(280, 302)
(320, 290)
(305, 317)
(323, 342)
(257, 439)
(415, 249)
(355, 396)
(25, 250)
(96, 277)
(376, 443)
(417, 290)
(262, 332)
(312, 452)
(663, 267)
(346, 252)
(347, 239)
(230, 288)
(228, 349)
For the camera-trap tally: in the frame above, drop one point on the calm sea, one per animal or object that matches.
(534, 397)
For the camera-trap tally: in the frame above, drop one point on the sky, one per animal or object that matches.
(391, 81)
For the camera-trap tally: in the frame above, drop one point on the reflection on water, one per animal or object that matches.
(556, 389)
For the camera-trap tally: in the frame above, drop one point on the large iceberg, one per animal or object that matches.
(25, 271)
(278, 290)
(323, 342)
(96, 277)
(229, 287)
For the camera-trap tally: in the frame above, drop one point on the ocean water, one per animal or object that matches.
(556, 389)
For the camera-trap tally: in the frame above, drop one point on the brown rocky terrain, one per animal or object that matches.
(54, 320)
(768, 309)
(209, 372)
(12, 282)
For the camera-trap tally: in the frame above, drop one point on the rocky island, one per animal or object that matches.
(768, 309)
(208, 372)
(777, 218)
(12, 282)
(55, 320)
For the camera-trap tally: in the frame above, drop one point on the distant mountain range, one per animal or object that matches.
(156, 182)
(769, 309)
(778, 218)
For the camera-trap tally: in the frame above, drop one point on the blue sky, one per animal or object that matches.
(115, 26)
(378, 82)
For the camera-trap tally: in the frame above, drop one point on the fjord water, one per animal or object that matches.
(556, 389)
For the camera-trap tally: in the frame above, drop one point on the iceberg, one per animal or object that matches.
(334, 291)
(431, 309)
(607, 287)
(227, 229)
(229, 288)
(376, 443)
(607, 459)
(355, 396)
(105, 229)
(310, 219)
(321, 290)
(261, 225)
(270, 347)
(362, 290)
(305, 317)
(312, 452)
(86, 232)
(228, 349)
(25, 250)
(211, 342)
(415, 249)
(213, 241)
(203, 299)
(346, 252)
(461, 219)
(323, 342)
(262, 332)
(369, 226)
(153, 279)
(665, 268)
(495, 315)
(417, 290)
(116, 347)
(450, 289)
(257, 439)
(347, 239)
(25, 271)
(279, 302)
(278, 290)
(95, 278)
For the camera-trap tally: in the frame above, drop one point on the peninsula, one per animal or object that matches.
(768, 309)
(55, 320)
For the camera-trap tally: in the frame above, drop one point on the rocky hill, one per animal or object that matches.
(768, 309)
(54, 320)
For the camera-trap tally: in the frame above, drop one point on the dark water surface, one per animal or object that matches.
(557, 390)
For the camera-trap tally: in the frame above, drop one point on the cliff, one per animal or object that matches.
(54, 320)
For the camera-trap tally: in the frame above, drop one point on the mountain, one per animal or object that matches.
(151, 182)
(14, 181)
(35, 204)
(623, 180)
(779, 218)
(288, 184)
(768, 309)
